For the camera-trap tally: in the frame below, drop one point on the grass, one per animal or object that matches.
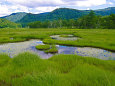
(53, 49)
(43, 47)
(27, 69)
(101, 38)
(4, 59)
(47, 48)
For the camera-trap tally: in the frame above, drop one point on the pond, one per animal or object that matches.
(13, 49)
(58, 37)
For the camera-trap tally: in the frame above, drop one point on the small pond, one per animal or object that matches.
(13, 49)
(70, 37)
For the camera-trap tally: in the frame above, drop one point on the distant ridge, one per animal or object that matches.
(60, 13)
(14, 17)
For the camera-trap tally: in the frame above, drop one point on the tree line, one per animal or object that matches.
(90, 21)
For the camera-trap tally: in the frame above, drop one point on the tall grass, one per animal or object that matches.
(61, 70)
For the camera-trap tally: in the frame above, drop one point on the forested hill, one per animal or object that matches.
(4, 23)
(61, 13)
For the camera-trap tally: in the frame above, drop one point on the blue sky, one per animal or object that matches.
(39, 6)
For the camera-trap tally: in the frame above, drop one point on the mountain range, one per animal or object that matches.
(60, 13)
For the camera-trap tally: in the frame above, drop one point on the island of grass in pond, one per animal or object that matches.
(47, 48)
(43, 47)
(53, 49)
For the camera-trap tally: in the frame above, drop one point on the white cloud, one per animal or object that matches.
(38, 6)
(110, 3)
(4, 10)
(45, 9)
(8, 9)
(88, 8)
(37, 3)
(53, 3)
(89, 3)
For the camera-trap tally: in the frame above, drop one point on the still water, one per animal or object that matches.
(13, 49)
(70, 37)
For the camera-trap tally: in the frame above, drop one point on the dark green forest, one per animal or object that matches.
(90, 21)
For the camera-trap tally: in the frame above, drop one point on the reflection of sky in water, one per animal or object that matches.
(13, 49)
(57, 37)
(87, 51)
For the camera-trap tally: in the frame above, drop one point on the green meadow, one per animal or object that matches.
(28, 69)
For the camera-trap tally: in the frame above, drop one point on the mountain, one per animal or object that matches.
(4, 23)
(106, 11)
(61, 13)
(14, 17)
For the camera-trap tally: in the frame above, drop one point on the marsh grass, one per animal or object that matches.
(101, 38)
(43, 47)
(27, 69)
(53, 49)
(47, 48)
(4, 59)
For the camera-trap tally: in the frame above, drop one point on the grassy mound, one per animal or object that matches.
(47, 48)
(61, 70)
(43, 47)
(53, 49)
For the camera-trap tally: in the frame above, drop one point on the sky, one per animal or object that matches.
(8, 7)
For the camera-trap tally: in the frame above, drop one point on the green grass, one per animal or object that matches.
(101, 38)
(43, 47)
(4, 59)
(60, 70)
(47, 48)
(53, 49)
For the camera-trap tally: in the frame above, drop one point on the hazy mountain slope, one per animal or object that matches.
(14, 17)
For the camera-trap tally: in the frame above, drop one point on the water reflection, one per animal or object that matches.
(87, 51)
(13, 49)
(70, 37)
